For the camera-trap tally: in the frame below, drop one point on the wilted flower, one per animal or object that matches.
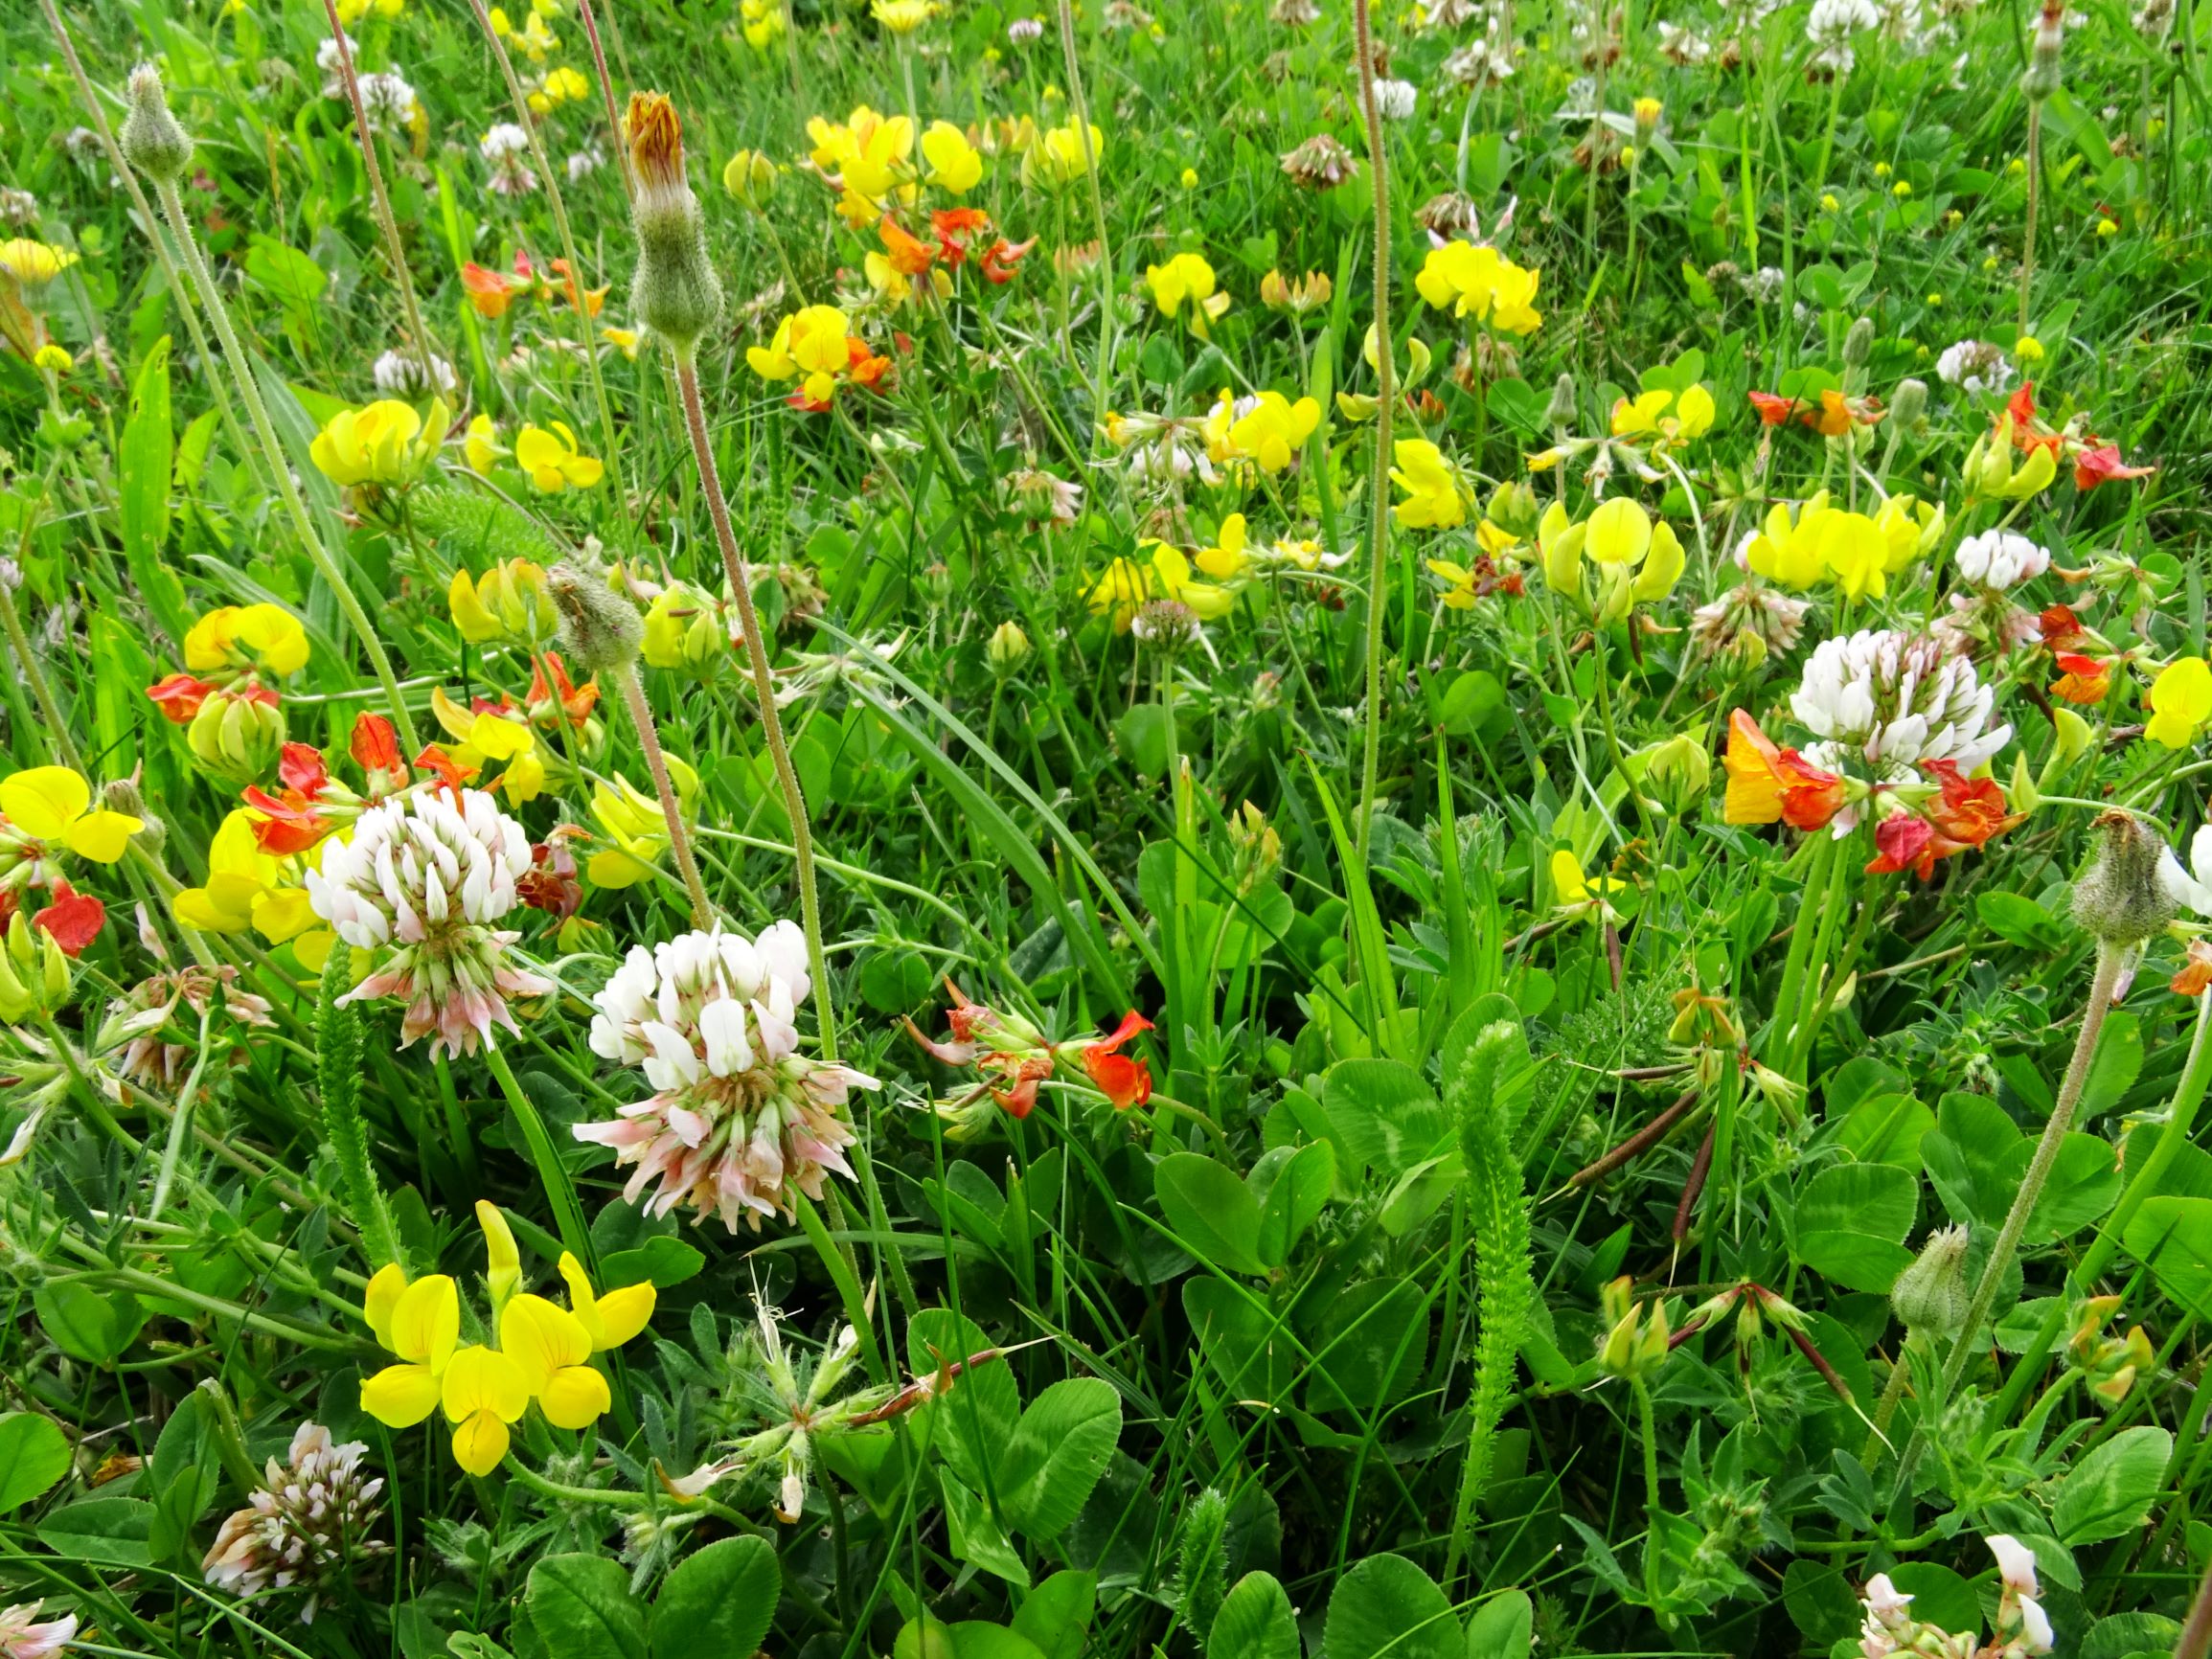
(426, 878)
(741, 1123)
(1320, 163)
(306, 1528)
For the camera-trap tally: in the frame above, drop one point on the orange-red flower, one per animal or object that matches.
(1766, 783)
(910, 255)
(290, 822)
(2085, 680)
(374, 746)
(74, 919)
(1122, 1079)
(2197, 972)
(1001, 261)
(180, 697)
(1967, 813)
(953, 227)
(491, 292)
(1900, 842)
(593, 297)
(451, 774)
(2060, 628)
(575, 702)
(1831, 417)
(868, 370)
(2102, 465)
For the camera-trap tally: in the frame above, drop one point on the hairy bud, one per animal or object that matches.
(1859, 343)
(1908, 403)
(152, 142)
(601, 630)
(1560, 414)
(2123, 898)
(676, 291)
(1932, 1294)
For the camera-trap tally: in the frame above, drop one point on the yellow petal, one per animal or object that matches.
(574, 1396)
(380, 1298)
(479, 1442)
(1567, 877)
(101, 836)
(1620, 532)
(43, 801)
(483, 1379)
(427, 1322)
(502, 1260)
(622, 1313)
(401, 1395)
(541, 1338)
(283, 913)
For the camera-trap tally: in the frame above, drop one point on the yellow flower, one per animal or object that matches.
(1619, 532)
(763, 21)
(611, 1320)
(623, 340)
(1514, 311)
(1829, 204)
(1172, 575)
(1190, 178)
(482, 1391)
(247, 888)
(1777, 550)
(502, 1260)
(1128, 582)
(553, 461)
(811, 342)
(53, 359)
(482, 449)
(1580, 895)
(954, 164)
(1478, 282)
(488, 738)
(54, 803)
(1902, 188)
(635, 826)
(511, 602)
(1057, 157)
(684, 629)
(1910, 528)
(1184, 277)
(551, 1351)
(1458, 585)
(1274, 431)
(903, 17)
(264, 636)
(2028, 348)
(1225, 558)
(2180, 702)
(420, 1323)
(1851, 546)
(2108, 228)
(866, 151)
(1662, 566)
(1646, 112)
(1433, 500)
(384, 443)
(34, 263)
(565, 85)
(1647, 418)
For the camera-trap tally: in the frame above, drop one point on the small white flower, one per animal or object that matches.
(1395, 98)
(1974, 367)
(2001, 559)
(2015, 1566)
(1024, 29)
(1891, 701)
(2036, 1633)
(399, 373)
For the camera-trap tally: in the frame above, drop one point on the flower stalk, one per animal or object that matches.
(1385, 405)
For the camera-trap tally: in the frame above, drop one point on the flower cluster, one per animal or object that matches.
(306, 1528)
(740, 1123)
(1011, 1059)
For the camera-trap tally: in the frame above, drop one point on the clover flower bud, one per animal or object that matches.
(2125, 897)
(676, 291)
(1560, 413)
(1908, 403)
(1933, 1293)
(601, 630)
(152, 142)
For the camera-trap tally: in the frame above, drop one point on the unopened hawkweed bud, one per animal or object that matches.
(152, 142)
(1909, 404)
(2123, 898)
(1858, 344)
(601, 630)
(124, 796)
(1560, 413)
(2041, 79)
(675, 291)
(1932, 1294)
(1008, 646)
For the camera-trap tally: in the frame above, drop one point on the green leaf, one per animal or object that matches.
(660, 1262)
(1296, 1194)
(1369, 1348)
(2175, 1237)
(1852, 1219)
(33, 1454)
(182, 1476)
(147, 462)
(1886, 1129)
(2110, 1492)
(584, 1605)
(84, 1324)
(974, 1419)
(721, 1600)
(2084, 1182)
(1056, 1616)
(1057, 1455)
(2020, 921)
(1502, 1628)
(1212, 1211)
(1247, 1347)
(978, 1539)
(1940, 1597)
(109, 1530)
(2119, 1062)
(1388, 1119)
(1255, 1622)
(1386, 1608)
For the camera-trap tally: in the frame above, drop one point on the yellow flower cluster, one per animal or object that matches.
(1471, 281)
(247, 889)
(871, 157)
(637, 831)
(386, 443)
(1270, 433)
(543, 1353)
(1164, 574)
(266, 638)
(1859, 553)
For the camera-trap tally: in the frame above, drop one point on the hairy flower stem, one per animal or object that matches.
(417, 337)
(128, 175)
(576, 294)
(764, 688)
(1079, 107)
(633, 699)
(607, 95)
(2196, 1638)
(2180, 1118)
(552, 1174)
(2035, 161)
(295, 507)
(1893, 1394)
(1385, 403)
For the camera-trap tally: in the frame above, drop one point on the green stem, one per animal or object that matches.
(1385, 406)
(552, 1175)
(641, 717)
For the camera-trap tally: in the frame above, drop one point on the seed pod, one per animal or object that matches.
(151, 139)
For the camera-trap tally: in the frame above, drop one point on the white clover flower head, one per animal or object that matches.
(739, 1121)
(1890, 700)
(2000, 559)
(506, 151)
(426, 878)
(1024, 29)
(304, 1528)
(398, 373)
(1395, 100)
(1974, 367)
